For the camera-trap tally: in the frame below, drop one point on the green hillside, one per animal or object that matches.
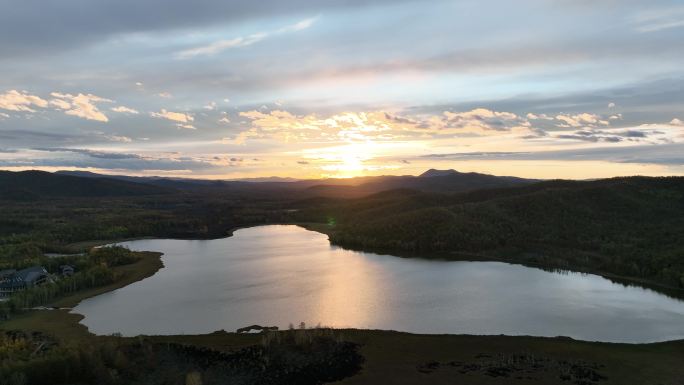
(29, 185)
(623, 226)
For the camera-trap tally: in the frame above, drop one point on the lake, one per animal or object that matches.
(281, 275)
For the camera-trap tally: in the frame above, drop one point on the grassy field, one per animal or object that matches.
(400, 358)
(403, 358)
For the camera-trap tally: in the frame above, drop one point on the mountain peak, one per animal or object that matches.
(433, 172)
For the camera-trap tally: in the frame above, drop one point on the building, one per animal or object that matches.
(6, 273)
(66, 270)
(12, 281)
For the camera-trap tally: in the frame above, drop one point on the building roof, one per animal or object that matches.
(6, 272)
(16, 279)
(12, 281)
(32, 274)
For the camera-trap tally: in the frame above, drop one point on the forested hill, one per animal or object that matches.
(625, 226)
(430, 181)
(28, 185)
(445, 181)
(37, 185)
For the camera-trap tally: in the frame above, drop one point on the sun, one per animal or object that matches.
(358, 158)
(344, 161)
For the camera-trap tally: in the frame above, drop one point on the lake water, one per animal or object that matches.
(277, 275)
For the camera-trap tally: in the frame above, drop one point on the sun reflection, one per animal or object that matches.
(350, 296)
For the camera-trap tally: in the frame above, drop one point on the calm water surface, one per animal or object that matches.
(277, 275)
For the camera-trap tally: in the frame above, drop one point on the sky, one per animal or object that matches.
(341, 88)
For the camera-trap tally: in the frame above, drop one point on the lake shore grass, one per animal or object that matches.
(403, 358)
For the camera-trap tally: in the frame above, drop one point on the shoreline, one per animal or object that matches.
(453, 256)
(65, 325)
(324, 229)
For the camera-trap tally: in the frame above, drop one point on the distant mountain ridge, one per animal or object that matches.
(444, 181)
(36, 184)
(28, 185)
(434, 172)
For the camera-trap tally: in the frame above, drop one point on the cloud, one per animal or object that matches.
(186, 126)
(30, 136)
(471, 126)
(646, 133)
(480, 120)
(300, 26)
(61, 104)
(183, 120)
(541, 57)
(241, 41)
(383, 126)
(125, 110)
(179, 117)
(581, 120)
(677, 122)
(92, 153)
(81, 105)
(590, 136)
(221, 45)
(85, 158)
(241, 138)
(14, 100)
(658, 19)
(665, 154)
(288, 127)
(533, 116)
(117, 138)
(124, 17)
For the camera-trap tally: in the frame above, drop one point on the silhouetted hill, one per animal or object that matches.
(447, 181)
(433, 172)
(29, 185)
(624, 226)
(174, 183)
(444, 181)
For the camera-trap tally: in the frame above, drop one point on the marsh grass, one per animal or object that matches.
(302, 337)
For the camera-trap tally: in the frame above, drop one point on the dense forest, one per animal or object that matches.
(624, 226)
(29, 229)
